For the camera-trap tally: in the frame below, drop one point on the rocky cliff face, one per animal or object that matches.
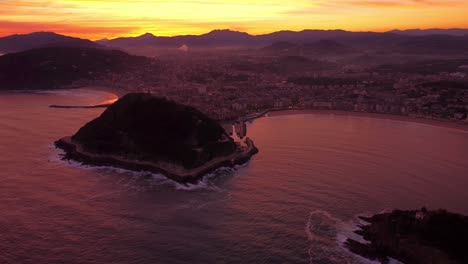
(149, 128)
(414, 237)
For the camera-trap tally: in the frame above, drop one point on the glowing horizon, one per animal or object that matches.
(94, 19)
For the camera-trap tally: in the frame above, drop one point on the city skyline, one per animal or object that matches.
(110, 18)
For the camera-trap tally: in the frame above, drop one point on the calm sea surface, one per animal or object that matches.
(294, 202)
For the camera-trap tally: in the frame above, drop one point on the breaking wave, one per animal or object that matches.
(207, 183)
(326, 235)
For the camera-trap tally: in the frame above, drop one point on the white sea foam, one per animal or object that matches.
(394, 261)
(206, 183)
(326, 235)
(157, 179)
(56, 154)
(346, 230)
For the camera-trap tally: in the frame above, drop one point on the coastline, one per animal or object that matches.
(117, 92)
(74, 151)
(402, 235)
(439, 123)
(278, 112)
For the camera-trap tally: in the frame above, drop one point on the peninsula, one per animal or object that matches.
(414, 237)
(143, 132)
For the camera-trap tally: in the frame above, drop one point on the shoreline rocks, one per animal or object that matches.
(413, 237)
(173, 172)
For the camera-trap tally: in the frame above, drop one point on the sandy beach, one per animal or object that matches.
(441, 123)
(117, 92)
(447, 124)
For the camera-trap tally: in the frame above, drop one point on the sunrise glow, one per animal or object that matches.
(112, 18)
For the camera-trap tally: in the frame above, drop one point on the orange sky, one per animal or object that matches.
(113, 18)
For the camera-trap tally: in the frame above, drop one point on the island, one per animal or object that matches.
(143, 132)
(413, 237)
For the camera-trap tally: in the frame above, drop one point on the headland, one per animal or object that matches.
(414, 237)
(143, 132)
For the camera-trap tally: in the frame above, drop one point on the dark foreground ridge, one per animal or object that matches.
(145, 132)
(414, 237)
(62, 67)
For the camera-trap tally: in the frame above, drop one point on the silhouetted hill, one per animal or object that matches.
(17, 43)
(374, 41)
(283, 64)
(51, 68)
(310, 41)
(327, 47)
(231, 38)
(145, 39)
(306, 36)
(211, 39)
(418, 237)
(425, 66)
(420, 41)
(280, 47)
(293, 63)
(434, 31)
(434, 44)
(222, 38)
(322, 47)
(148, 128)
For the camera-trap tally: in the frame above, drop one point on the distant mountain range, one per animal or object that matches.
(434, 43)
(17, 43)
(312, 41)
(226, 38)
(434, 31)
(213, 38)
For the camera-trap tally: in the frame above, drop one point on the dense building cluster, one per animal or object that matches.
(233, 86)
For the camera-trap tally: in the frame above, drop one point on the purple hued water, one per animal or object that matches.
(294, 202)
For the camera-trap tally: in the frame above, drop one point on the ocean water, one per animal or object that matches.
(295, 202)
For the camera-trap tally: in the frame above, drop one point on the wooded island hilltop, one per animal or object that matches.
(145, 132)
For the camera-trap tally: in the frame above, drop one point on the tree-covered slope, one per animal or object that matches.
(149, 128)
(52, 68)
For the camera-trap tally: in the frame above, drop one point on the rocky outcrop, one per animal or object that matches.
(417, 237)
(144, 132)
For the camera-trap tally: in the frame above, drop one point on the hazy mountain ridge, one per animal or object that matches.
(433, 43)
(433, 31)
(322, 41)
(56, 67)
(227, 37)
(22, 42)
(435, 40)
